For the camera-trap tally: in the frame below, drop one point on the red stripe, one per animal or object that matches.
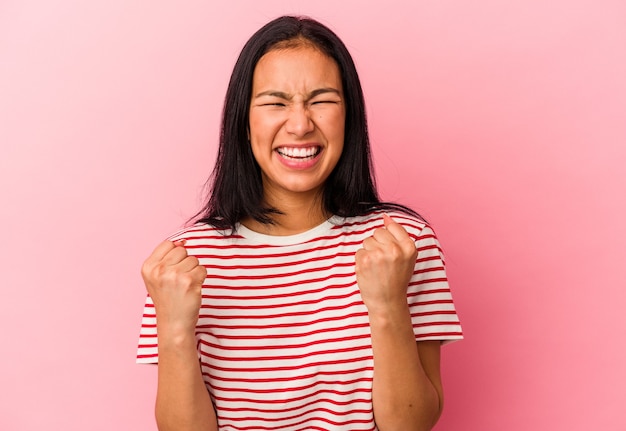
(276, 286)
(283, 325)
(300, 398)
(296, 407)
(247, 256)
(418, 325)
(434, 313)
(241, 277)
(285, 368)
(258, 427)
(286, 304)
(279, 315)
(148, 336)
(443, 335)
(294, 335)
(331, 383)
(427, 281)
(300, 415)
(290, 378)
(284, 357)
(274, 296)
(285, 346)
(148, 346)
(154, 355)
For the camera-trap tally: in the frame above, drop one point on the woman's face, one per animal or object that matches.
(297, 120)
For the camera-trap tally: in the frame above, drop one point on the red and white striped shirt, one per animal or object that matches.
(283, 334)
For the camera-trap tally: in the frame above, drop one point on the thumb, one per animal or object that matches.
(387, 219)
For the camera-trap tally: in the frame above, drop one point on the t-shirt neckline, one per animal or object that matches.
(282, 240)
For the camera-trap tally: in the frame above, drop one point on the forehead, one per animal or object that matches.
(294, 67)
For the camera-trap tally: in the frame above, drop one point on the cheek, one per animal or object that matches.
(332, 125)
(263, 127)
(340, 123)
(339, 129)
(253, 126)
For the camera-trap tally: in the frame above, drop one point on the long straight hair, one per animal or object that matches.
(236, 187)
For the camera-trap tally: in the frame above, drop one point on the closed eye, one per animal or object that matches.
(319, 102)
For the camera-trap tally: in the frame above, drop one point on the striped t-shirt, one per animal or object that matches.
(283, 334)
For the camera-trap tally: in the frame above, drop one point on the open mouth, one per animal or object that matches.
(302, 153)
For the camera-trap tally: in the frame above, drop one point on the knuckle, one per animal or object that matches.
(395, 252)
(159, 270)
(179, 253)
(191, 279)
(366, 260)
(201, 273)
(185, 279)
(145, 269)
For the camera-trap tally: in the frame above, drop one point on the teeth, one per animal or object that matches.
(299, 153)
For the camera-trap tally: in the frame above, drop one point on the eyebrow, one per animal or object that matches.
(285, 96)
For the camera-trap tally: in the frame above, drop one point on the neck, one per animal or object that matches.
(297, 215)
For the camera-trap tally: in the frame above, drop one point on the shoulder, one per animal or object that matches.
(201, 232)
(415, 226)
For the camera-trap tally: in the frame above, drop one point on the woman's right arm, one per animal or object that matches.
(174, 281)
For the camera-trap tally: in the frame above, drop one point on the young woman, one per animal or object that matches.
(298, 300)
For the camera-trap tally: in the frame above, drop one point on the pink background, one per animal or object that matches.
(502, 122)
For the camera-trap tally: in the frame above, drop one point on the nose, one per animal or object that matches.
(299, 122)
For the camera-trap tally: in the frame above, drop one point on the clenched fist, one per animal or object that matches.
(384, 267)
(174, 281)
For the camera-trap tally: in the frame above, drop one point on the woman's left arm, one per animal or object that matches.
(407, 390)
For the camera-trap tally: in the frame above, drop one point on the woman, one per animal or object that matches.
(299, 300)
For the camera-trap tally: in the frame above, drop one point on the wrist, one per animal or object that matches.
(389, 315)
(175, 336)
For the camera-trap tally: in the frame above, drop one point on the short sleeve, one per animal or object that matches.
(147, 350)
(430, 301)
